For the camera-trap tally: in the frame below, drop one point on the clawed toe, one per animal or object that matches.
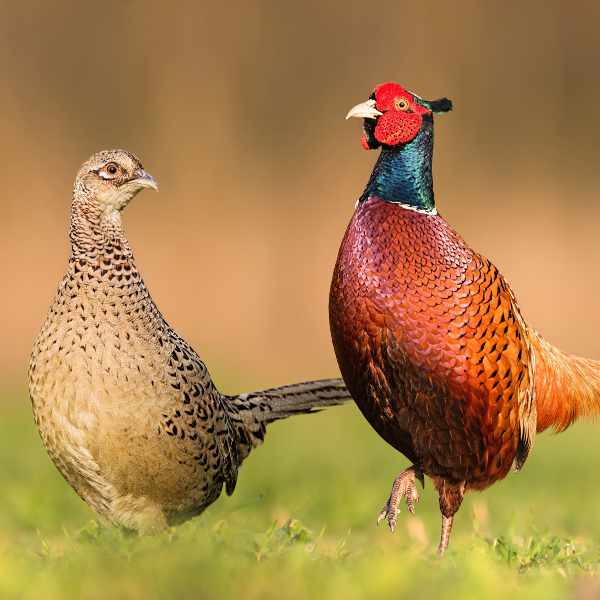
(404, 486)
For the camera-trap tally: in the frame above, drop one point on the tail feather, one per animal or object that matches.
(282, 402)
(566, 387)
(250, 413)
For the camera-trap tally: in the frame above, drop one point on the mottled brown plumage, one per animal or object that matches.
(125, 407)
(428, 334)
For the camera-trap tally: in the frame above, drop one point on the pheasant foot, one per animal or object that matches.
(404, 486)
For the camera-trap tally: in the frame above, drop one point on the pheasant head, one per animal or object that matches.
(394, 116)
(113, 178)
(104, 186)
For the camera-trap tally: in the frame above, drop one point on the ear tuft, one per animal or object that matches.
(441, 105)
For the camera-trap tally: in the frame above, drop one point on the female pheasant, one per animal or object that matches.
(125, 407)
(428, 334)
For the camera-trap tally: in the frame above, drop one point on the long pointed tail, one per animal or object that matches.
(251, 413)
(281, 402)
(566, 387)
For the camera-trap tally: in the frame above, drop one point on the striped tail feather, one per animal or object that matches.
(250, 413)
(566, 387)
(285, 401)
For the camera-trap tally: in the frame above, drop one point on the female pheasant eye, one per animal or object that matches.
(109, 171)
(401, 104)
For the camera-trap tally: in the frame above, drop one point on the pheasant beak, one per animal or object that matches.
(145, 180)
(365, 110)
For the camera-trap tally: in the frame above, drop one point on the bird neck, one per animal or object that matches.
(402, 174)
(96, 230)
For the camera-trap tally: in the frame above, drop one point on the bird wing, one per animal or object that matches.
(526, 394)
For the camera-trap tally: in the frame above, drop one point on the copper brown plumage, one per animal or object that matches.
(428, 334)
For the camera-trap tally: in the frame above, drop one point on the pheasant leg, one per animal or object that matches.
(445, 535)
(451, 496)
(404, 486)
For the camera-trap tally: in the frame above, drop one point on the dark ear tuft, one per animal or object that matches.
(439, 106)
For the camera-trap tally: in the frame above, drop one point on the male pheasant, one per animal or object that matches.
(125, 407)
(428, 334)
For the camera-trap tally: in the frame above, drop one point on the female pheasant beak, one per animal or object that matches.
(145, 180)
(364, 110)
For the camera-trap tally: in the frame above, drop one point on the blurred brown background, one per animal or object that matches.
(238, 110)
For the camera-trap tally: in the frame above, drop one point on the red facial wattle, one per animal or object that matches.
(364, 142)
(397, 125)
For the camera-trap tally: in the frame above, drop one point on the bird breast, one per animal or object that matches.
(104, 388)
(429, 342)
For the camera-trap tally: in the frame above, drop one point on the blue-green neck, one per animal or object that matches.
(402, 173)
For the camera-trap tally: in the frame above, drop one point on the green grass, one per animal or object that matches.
(301, 524)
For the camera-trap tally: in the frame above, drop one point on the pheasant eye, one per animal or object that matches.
(109, 171)
(401, 104)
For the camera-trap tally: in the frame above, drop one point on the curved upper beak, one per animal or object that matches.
(145, 180)
(365, 110)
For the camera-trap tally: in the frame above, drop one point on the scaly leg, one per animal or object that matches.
(451, 496)
(404, 486)
(445, 536)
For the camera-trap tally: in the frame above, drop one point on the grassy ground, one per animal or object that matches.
(301, 524)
